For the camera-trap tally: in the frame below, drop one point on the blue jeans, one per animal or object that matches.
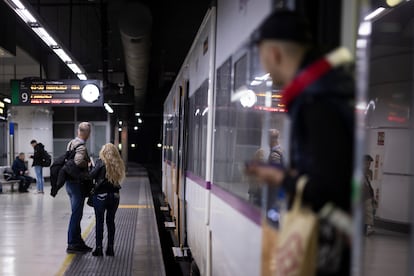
(77, 201)
(39, 178)
(108, 202)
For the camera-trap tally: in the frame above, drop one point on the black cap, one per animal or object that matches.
(284, 25)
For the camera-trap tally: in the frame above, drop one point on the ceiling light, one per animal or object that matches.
(7, 100)
(41, 31)
(137, 114)
(159, 145)
(62, 55)
(374, 13)
(119, 129)
(108, 108)
(25, 15)
(18, 4)
(135, 128)
(120, 123)
(139, 121)
(74, 67)
(43, 34)
(132, 145)
(82, 76)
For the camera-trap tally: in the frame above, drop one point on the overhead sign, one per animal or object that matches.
(57, 93)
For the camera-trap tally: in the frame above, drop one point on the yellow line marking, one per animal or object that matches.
(69, 257)
(135, 206)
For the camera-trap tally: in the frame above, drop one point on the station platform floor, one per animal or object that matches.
(33, 234)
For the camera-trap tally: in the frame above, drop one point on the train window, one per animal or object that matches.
(240, 72)
(197, 129)
(242, 123)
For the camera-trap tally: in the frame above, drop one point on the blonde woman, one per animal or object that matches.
(109, 171)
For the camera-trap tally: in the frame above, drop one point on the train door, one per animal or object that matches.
(181, 164)
(386, 81)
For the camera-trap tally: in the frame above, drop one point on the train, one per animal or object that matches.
(217, 116)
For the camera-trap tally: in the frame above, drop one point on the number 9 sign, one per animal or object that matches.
(25, 97)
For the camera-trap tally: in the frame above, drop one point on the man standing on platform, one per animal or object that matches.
(73, 187)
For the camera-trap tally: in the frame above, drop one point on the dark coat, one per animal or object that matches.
(322, 139)
(102, 184)
(19, 167)
(322, 136)
(39, 150)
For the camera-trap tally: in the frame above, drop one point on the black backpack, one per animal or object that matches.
(57, 166)
(46, 159)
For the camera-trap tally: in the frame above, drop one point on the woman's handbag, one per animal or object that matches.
(298, 238)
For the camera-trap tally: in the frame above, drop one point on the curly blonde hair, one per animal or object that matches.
(115, 168)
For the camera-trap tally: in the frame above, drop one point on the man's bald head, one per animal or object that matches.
(84, 130)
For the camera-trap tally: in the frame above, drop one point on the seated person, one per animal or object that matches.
(20, 171)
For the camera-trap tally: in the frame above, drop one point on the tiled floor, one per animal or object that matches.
(33, 231)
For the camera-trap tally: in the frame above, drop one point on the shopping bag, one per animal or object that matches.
(297, 243)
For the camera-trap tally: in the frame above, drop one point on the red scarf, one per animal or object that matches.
(313, 72)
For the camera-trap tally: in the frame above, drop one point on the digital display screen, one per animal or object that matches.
(57, 93)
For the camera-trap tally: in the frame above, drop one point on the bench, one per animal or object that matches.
(6, 182)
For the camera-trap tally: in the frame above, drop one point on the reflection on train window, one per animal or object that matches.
(389, 137)
(168, 130)
(240, 72)
(242, 122)
(197, 131)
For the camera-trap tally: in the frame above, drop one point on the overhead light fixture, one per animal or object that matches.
(135, 128)
(108, 108)
(82, 76)
(75, 69)
(120, 123)
(45, 36)
(132, 145)
(26, 16)
(137, 114)
(119, 129)
(374, 13)
(7, 100)
(159, 145)
(62, 55)
(40, 29)
(139, 121)
(18, 4)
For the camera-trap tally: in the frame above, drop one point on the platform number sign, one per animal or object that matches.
(57, 93)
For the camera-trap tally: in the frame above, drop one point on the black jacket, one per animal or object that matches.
(19, 167)
(102, 184)
(38, 154)
(322, 136)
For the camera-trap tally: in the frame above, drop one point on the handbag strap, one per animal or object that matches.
(300, 186)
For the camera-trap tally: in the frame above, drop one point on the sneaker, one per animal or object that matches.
(78, 249)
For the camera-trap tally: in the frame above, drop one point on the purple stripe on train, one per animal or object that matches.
(241, 205)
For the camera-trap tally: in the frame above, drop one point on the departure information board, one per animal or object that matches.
(57, 93)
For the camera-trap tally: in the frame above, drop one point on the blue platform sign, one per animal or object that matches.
(11, 128)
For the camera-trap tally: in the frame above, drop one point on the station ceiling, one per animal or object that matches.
(90, 30)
